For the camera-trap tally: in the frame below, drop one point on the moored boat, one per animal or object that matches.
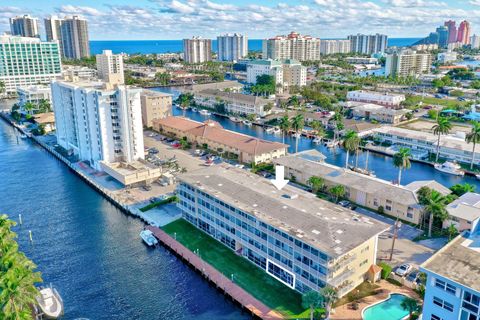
(50, 303)
(205, 112)
(477, 176)
(194, 109)
(269, 129)
(148, 237)
(277, 130)
(317, 140)
(234, 119)
(246, 122)
(450, 168)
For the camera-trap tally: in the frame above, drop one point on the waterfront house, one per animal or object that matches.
(396, 200)
(232, 102)
(247, 148)
(452, 147)
(452, 289)
(299, 239)
(464, 212)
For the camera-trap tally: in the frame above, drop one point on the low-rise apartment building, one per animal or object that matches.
(386, 99)
(34, 94)
(247, 148)
(451, 147)
(237, 103)
(155, 105)
(287, 73)
(452, 289)
(302, 241)
(396, 200)
(379, 113)
(464, 212)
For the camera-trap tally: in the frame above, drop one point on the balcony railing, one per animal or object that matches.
(335, 281)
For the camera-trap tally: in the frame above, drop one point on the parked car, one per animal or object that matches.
(153, 150)
(413, 275)
(345, 203)
(403, 269)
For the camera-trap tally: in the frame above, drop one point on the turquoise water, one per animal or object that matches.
(389, 309)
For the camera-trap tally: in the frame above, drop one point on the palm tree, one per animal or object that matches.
(443, 126)
(184, 101)
(316, 183)
(337, 191)
(451, 231)
(401, 160)
(28, 107)
(330, 296)
(284, 125)
(409, 304)
(297, 125)
(44, 106)
(317, 126)
(473, 137)
(433, 205)
(351, 142)
(312, 300)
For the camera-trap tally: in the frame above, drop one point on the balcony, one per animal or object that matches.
(341, 277)
(341, 262)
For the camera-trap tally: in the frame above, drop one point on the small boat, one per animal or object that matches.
(194, 109)
(331, 144)
(148, 237)
(277, 130)
(269, 129)
(297, 135)
(246, 122)
(50, 303)
(205, 112)
(450, 168)
(477, 176)
(317, 140)
(362, 171)
(234, 119)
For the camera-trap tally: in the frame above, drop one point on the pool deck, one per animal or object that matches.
(345, 313)
(247, 301)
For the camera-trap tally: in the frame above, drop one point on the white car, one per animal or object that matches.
(403, 269)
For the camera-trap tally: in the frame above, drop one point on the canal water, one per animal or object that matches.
(90, 251)
(380, 164)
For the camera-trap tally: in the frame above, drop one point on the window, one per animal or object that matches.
(434, 317)
(445, 286)
(443, 304)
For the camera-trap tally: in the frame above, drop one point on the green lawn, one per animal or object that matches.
(431, 100)
(251, 278)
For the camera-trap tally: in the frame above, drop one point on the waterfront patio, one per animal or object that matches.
(346, 312)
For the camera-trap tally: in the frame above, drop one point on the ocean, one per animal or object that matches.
(164, 46)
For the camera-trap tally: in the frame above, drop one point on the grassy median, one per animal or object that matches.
(257, 282)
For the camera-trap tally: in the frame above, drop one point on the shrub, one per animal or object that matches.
(386, 269)
(381, 210)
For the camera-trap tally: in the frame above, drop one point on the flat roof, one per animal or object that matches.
(329, 227)
(465, 207)
(459, 261)
(403, 194)
(153, 93)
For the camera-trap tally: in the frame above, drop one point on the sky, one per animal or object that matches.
(177, 19)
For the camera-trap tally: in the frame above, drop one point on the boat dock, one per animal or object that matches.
(227, 286)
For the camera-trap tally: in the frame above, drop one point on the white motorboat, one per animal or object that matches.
(277, 130)
(148, 237)
(205, 112)
(234, 119)
(194, 109)
(331, 144)
(477, 176)
(297, 135)
(317, 140)
(246, 122)
(450, 168)
(269, 129)
(50, 303)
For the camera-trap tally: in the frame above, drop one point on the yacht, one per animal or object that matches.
(450, 168)
(277, 130)
(246, 122)
(50, 303)
(269, 129)
(148, 237)
(205, 112)
(317, 140)
(233, 119)
(331, 144)
(194, 109)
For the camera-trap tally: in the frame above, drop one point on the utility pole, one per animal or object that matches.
(396, 226)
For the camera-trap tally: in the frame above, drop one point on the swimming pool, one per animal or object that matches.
(387, 309)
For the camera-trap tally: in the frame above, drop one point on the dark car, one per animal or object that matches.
(413, 275)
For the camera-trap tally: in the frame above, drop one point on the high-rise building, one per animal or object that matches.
(475, 41)
(407, 63)
(197, 50)
(292, 46)
(452, 31)
(442, 32)
(53, 29)
(464, 32)
(74, 33)
(232, 47)
(334, 46)
(110, 67)
(25, 26)
(368, 44)
(98, 122)
(28, 61)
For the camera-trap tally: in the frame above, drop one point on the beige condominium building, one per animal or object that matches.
(292, 46)
(110, 67)
(155, 105)
(247, 148)
(396, 200)
(407, 63)
(297, 238)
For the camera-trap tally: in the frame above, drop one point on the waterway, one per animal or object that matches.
(90, 250)
(382, 165)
